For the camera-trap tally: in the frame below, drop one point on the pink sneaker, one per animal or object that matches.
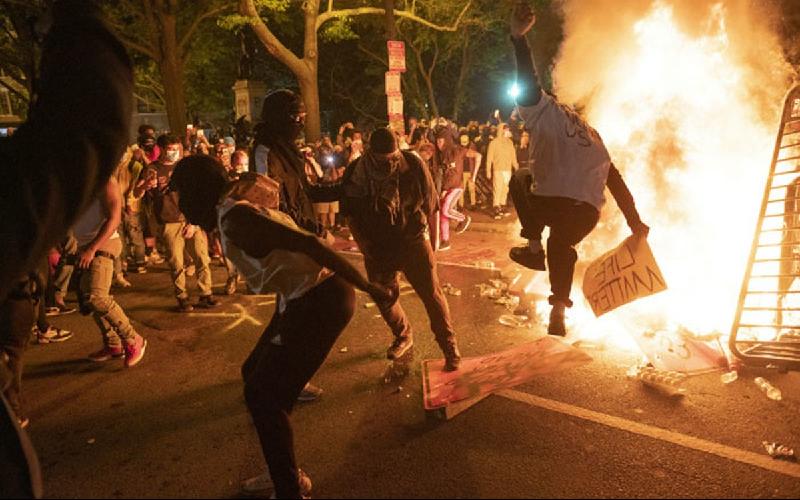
(135, 352)
(106, 353)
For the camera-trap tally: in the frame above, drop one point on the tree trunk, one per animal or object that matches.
(309, 88)
(308, 77)
(458, 99)
(170, 66)
(428, 79)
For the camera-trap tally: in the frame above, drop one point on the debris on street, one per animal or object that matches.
(514, 321)
(729, 377)
(667, 382)
(770, 390)
(779, 451)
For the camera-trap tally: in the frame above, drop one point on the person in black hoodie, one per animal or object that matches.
(389, 197)
(276, 155)
(81, 111)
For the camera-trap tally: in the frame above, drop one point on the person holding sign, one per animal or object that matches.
(563, 189)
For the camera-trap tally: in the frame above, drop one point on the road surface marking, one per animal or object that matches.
(240, 317)
(745, 457)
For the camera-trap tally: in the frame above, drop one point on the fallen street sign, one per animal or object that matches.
(480, 376)
(626, 273)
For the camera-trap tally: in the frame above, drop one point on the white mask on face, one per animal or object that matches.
(172, 156)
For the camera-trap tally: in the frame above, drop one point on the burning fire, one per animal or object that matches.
(688, 103)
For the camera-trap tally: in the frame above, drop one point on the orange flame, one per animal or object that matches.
(688, 107)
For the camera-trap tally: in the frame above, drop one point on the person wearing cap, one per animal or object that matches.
(315, 302)
(564, 190)
(389, 197)
(471, 164)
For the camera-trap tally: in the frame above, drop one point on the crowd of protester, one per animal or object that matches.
(173, 194)
(470, 165)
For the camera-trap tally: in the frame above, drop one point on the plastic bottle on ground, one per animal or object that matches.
(770, 390)
(729, 377)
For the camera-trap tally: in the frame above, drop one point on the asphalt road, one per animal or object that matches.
(176, 425)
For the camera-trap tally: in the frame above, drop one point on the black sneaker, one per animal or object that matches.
(452, 356)
(399, 347)
(444, 245)
(207, 302)
(464, 225)
(557, 327)
(185, 306)
(525, 257)
(59, 309)
(309, 393)
(230, 286)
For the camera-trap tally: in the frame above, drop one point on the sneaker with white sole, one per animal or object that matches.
(52, 335)
(120, 281)
(464, 224)
(134, 352)
(310, 393)
(59, 309)
(261, 485)
(106, 353)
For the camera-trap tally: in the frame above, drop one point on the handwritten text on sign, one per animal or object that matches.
(627, 273)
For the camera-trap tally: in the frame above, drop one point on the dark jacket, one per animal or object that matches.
(374, 231)
(73, 139)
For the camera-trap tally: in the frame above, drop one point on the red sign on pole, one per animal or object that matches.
(397, 55)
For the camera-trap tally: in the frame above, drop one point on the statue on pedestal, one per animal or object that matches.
(247, 55)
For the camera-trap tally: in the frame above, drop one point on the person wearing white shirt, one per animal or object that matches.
(569, 170)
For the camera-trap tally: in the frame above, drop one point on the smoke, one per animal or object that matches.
(597, 33)
(687, 96)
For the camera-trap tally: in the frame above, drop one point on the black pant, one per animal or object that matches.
(17, 316)
(19, 469)
(274, 375)
(416, 260)
(570, 221)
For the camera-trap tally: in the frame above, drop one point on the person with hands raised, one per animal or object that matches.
(564, 188)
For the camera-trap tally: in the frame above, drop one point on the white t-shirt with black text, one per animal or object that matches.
(567, 156)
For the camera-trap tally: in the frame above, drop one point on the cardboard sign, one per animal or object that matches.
(674, 351)
(397, 55)
(393, 83)
(627, 273)
(502, 370)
